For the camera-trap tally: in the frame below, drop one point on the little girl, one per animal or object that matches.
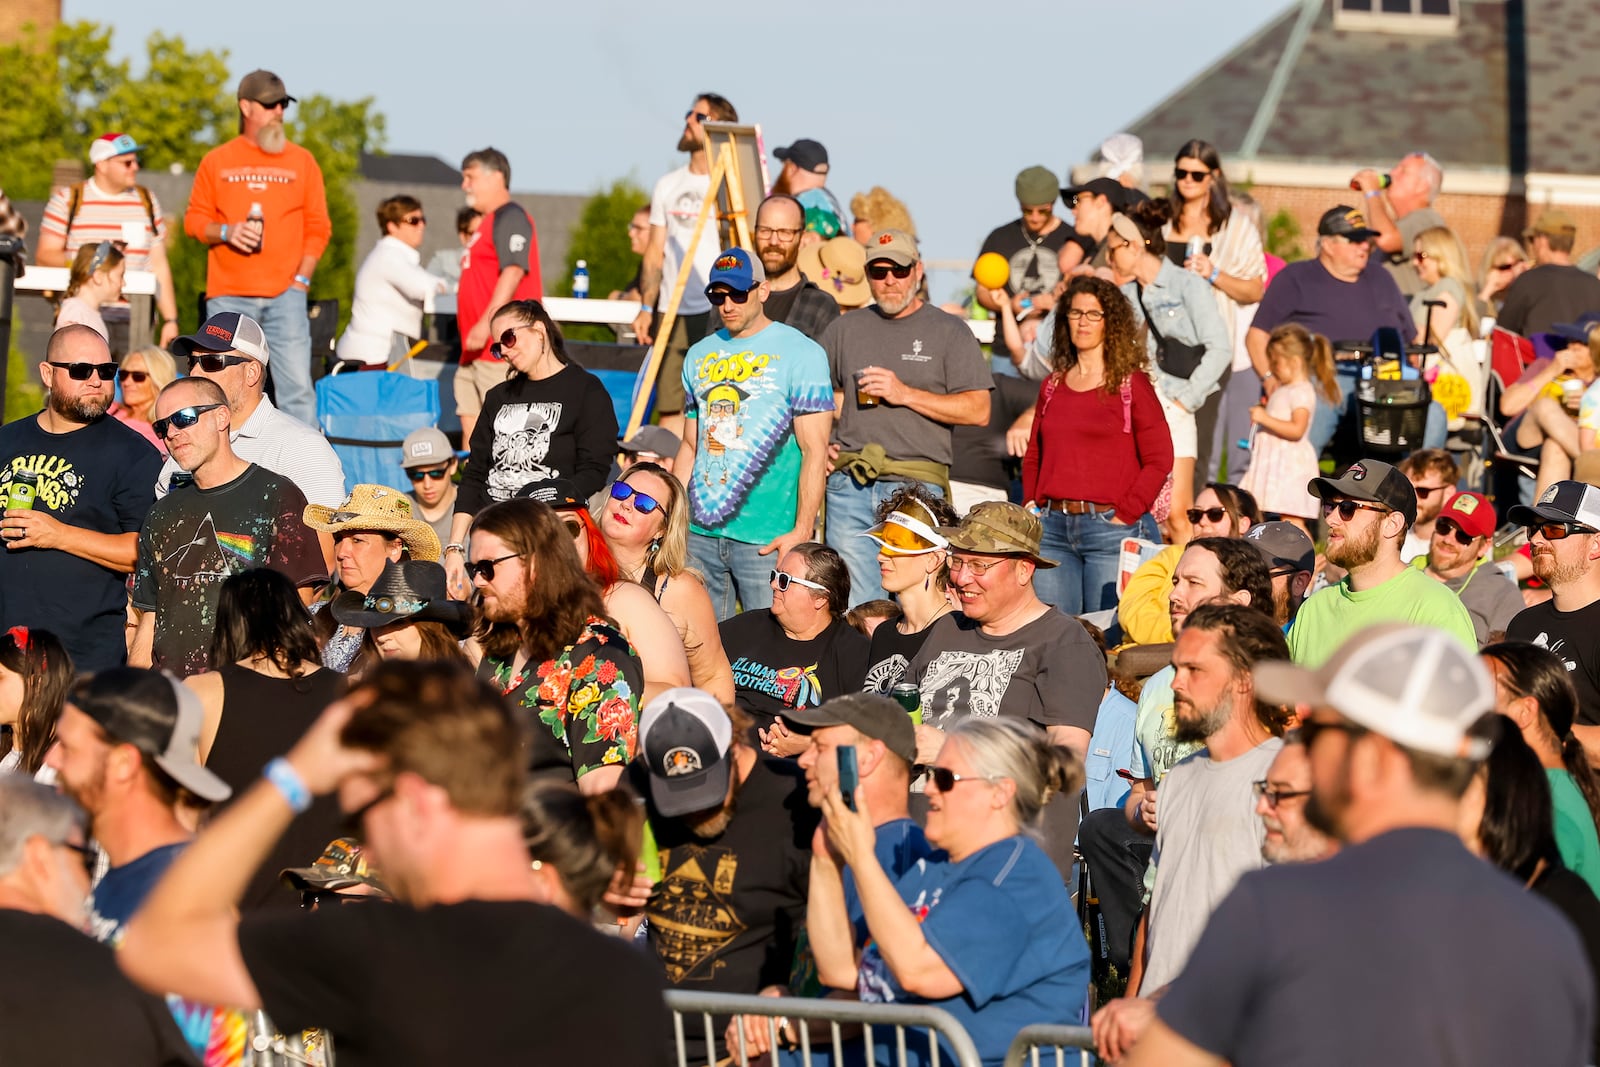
(1282, 460)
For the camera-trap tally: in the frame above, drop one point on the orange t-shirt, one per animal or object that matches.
(294, 209)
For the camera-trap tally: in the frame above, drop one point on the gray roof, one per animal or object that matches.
(408, 170)
(1363, 96)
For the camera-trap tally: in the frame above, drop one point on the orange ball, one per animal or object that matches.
(991, 271)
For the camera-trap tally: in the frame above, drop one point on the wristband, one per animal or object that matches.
(1026, 303)
(457, 547)
(224, 233)
(1216, 272)
(303, 280)
(286, 780)
(647, 309)
(1370, 193)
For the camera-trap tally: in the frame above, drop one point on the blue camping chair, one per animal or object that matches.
(367, 416)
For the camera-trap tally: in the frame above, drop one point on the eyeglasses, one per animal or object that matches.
(783, 580)
(1425, 491)
(350, 823)
(1421, 257)
(1274, 797)
(85, 854)
(1450, 528)
(311, 899)
(944, 779)
(1310, 729)
(879, 271)
(1558, 531)
(1347, 508)
(181, 419)
(484, 568)
(507, 340)
(1091, 315)
(980, 568)
(643, 503)
(1178, 174)
(766, 233)
(438, 474)
(132, 376)
(414, 220)
(215, 363)
(82, 372)
(1209, 514)
(720, 296)
(276, 104)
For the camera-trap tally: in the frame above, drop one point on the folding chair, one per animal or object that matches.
(367, 416)
(1509, 356)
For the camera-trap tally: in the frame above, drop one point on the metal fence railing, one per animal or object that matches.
(1070, 1045)
(713, 1010)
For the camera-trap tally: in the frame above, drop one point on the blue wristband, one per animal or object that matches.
(224, 233)
(303, 280)
(1216, 272)
(286, 780)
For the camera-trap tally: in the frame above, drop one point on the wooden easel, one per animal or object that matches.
(725, 179)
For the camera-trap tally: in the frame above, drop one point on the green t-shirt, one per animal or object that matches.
(1156, 729)
(1576, 836)
(1328, 618)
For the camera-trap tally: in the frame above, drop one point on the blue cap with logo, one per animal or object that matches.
(737, 269)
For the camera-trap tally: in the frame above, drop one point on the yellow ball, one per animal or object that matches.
(991, 271)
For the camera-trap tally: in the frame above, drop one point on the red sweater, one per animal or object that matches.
(1080, 451)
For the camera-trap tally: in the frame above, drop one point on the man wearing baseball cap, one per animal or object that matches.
(113, 206)
(1564, 532)
(756, 414)
(804, 176)
(1461, 555)
(429, 461)
(1456, 962)
(1291, 558)
(1032, 246)
(1368, 510)
(904, 374)
(258, 202)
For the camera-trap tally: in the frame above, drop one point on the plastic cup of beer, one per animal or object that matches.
(864, 399)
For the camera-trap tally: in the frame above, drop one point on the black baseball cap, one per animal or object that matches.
(156, 714)
(559, 493)
(872, 715)
(1283, 544)
(1371, 480)
(685, 738)
(1345, 222)
(805, 154)
(1564, 501)
(1109, 188)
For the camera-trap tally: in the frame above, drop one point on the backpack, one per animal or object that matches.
(75, 201)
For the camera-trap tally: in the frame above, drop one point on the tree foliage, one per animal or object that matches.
(601, 240)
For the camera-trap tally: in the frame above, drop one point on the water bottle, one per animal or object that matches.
(580, 280)
(261, 225)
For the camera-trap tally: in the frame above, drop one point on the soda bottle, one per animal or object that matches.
(261, 225)
(580, 281)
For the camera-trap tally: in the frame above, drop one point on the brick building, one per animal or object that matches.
(1504, 93)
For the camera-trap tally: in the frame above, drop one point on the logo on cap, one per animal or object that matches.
(1550, 494)
(1465, 504)
(422, 448)
(218, 331)
(884, 239)
(1356, 219)
(680, 761)
(728, 263)
(1357, 472)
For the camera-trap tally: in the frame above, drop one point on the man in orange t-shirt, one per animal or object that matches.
(262, 267)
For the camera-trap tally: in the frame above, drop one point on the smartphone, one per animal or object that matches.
(849, 775)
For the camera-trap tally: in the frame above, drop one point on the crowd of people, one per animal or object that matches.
(835, 680)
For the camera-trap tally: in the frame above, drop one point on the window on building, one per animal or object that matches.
(1433, 17)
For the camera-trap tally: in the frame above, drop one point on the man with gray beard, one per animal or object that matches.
(76, 487)
(258, 202)
(1281, 802)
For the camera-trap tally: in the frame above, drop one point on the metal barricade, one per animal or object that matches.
(714, 1010)
(1073, 1045)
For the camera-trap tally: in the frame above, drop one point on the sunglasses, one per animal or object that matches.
(574, 527)
(1274, 797)
(484, 568)
(82, 372)
(879, 271)
(1209, 514)
(433, 476)
(311, 899)
(215, 363)
(350, 823)
(944, 779)
(643, 503)
(181, 419)
(1347, 508)
(132, 376)
(1450, 528)
(1425, 491)
(783, 580)
(718, 297)
(1504, 266)
(1421, 257)
(1558, 531)
(276, 104)
(507, 340)
(414, 220)
(696, 116)
(1178, 174)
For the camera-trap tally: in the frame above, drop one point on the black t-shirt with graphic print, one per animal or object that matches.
(1035, 262)
(1574, 636)
(890, 653)
(773, 673)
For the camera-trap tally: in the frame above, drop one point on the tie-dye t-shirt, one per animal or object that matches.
(745, 394)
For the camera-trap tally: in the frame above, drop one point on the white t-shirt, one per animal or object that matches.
(675, 204)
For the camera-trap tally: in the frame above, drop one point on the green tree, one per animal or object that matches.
(336, 133)
(1283, 237)
(601, 240)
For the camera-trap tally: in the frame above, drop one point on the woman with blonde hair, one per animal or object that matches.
(95, 278)
(878, 209)
(1442, 266)
(1503, 262)
(142, 374)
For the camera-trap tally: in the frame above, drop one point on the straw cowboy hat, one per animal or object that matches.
(382, 510)
(839, 268)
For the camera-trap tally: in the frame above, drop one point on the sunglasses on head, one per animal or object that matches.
(944, 779)
(1557, 531)
(214, 363)
(718, 297)
(439, 474)
(484, 568)
(1450, 528)
(1347, 508)
(181, 419)
(783, 580)
(1209, 514)
(132, 376)
(1178, 173)
(879, 271)
(82, 372)
(643, 503)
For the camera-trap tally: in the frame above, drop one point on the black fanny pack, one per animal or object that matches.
(1173, 357)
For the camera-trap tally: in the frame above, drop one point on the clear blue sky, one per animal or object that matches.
(941, 102)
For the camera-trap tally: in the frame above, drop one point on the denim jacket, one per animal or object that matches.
(1184, 309)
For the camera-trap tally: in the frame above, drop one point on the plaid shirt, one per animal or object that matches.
(11, 222)
(812, 310)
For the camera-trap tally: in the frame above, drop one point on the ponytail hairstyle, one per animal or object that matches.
(1315, 353)
(47, 673)
(1151, 216)
(1526, 670)
(1009, 748)
(587, 839)
(1517, 830)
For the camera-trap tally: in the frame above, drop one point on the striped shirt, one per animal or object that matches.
(101, 217)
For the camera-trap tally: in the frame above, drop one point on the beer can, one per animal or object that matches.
(909, 697)
(24, 488)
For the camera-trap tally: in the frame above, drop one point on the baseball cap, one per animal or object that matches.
(226, 332)
(999, 528)
(342, 864)
(823, 222)
(737, 269)
(110, 145)
(1374, 480)
(1347, 222)
(1037, 185)
(873, 715)
(897, 246)
(805, 154)
(656, 440)
(264, 87)
(156, 714)
(1109, 188)
(684, 740)
(1565, 501)
(1552, 223)
(1417, 686)
(425, 446)
(1472, 512)
(559, 493)
(1563, 333)
(912, 531)
(1283, 544)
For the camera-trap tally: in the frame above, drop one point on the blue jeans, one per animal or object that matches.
(1088, 547)
(283, 319)
(735, 573)
(1327, 418)
(852, 511)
